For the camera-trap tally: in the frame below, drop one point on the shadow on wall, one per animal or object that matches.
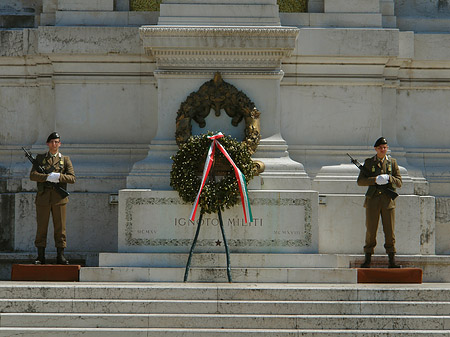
(420, 8)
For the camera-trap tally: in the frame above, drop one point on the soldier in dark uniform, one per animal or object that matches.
(384, 172)
(48, 200)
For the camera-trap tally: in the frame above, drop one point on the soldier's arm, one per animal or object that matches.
(363, 179)
(395, 179)
(69, 174)
(35, 175)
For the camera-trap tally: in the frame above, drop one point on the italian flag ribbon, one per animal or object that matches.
(239, 176)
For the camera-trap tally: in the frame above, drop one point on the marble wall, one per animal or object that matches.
(342, 88)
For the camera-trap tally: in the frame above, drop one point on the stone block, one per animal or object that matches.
(244, 14)
(424, 24)
(91, 18)
(157, 221)
(85, 230)
(346, 20)
(342, 178)
(315, 6)
(102, 40)
(390, 21)
(48, 19)
(351, 6)
(387, 7)
(347, 42)
(122, 5)
(294, 19)
(49, 6)
(86, 5)
(413, 222)
(431, 47)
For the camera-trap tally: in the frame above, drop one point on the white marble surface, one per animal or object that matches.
(157, 221)
(342, 225)
(352, 6)
(85, 5)
(91, 223)
(212, 12)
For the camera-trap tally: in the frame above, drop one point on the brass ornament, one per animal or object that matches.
(218, 95)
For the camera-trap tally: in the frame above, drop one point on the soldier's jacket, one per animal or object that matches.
(374, 166)
(46, 195)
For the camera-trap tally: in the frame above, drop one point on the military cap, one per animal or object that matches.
(53, 135)
(380, 141)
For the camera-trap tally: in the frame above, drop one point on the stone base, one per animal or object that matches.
(46, 272)
(382, 275)
(250, 268)
(342, 225)
(158, 222)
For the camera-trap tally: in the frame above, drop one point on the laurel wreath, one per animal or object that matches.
(217, 193)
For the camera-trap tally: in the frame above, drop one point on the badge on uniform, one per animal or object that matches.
(373, 168)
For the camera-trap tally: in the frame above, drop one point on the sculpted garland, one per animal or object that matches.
(188, 163)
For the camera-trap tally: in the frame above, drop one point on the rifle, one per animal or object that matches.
(384, 188)
(61, 191)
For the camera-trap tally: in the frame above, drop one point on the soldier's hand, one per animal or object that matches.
(53, 177)
(382, 179)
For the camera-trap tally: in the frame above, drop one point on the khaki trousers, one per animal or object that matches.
(376, 206)
(59, 224)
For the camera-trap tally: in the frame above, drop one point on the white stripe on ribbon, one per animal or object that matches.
(239, 176)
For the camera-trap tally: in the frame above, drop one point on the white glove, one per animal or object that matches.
(53, 177)
(382, 179)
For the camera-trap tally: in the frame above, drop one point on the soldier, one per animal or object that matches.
(384, 172)
(48, 200)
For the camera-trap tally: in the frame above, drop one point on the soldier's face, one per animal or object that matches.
(53, 145)
(381, 150)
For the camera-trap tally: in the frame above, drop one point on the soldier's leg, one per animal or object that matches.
(388, 219)
(59, 223)
(42, 218)
(372, 218)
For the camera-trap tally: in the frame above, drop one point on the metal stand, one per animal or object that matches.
(188, 264)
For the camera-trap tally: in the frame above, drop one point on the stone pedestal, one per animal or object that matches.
(248, 58)
(158, 222)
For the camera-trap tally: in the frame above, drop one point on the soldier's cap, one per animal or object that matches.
(53, 135)
(380, 141)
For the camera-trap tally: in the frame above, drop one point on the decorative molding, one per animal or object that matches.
(218, 47)
(185, 31)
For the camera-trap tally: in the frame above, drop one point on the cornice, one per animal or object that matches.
(218, 47)
(186, 31)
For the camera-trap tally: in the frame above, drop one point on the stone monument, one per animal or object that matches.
(245, 43)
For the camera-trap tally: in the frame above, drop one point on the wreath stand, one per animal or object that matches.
(219, 213)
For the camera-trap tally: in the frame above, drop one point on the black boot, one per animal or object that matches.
(392, 261)
(41, 256)
(60, 259)
(367, 261)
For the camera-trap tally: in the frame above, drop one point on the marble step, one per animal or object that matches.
(260, 275)
(224, 321)
(187, 332)
(225, 307)
(428, 292)
(218, 260)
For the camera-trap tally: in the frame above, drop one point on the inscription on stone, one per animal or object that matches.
(157, 221)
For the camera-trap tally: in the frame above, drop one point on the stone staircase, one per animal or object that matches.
(251, 268)
(193, 309)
